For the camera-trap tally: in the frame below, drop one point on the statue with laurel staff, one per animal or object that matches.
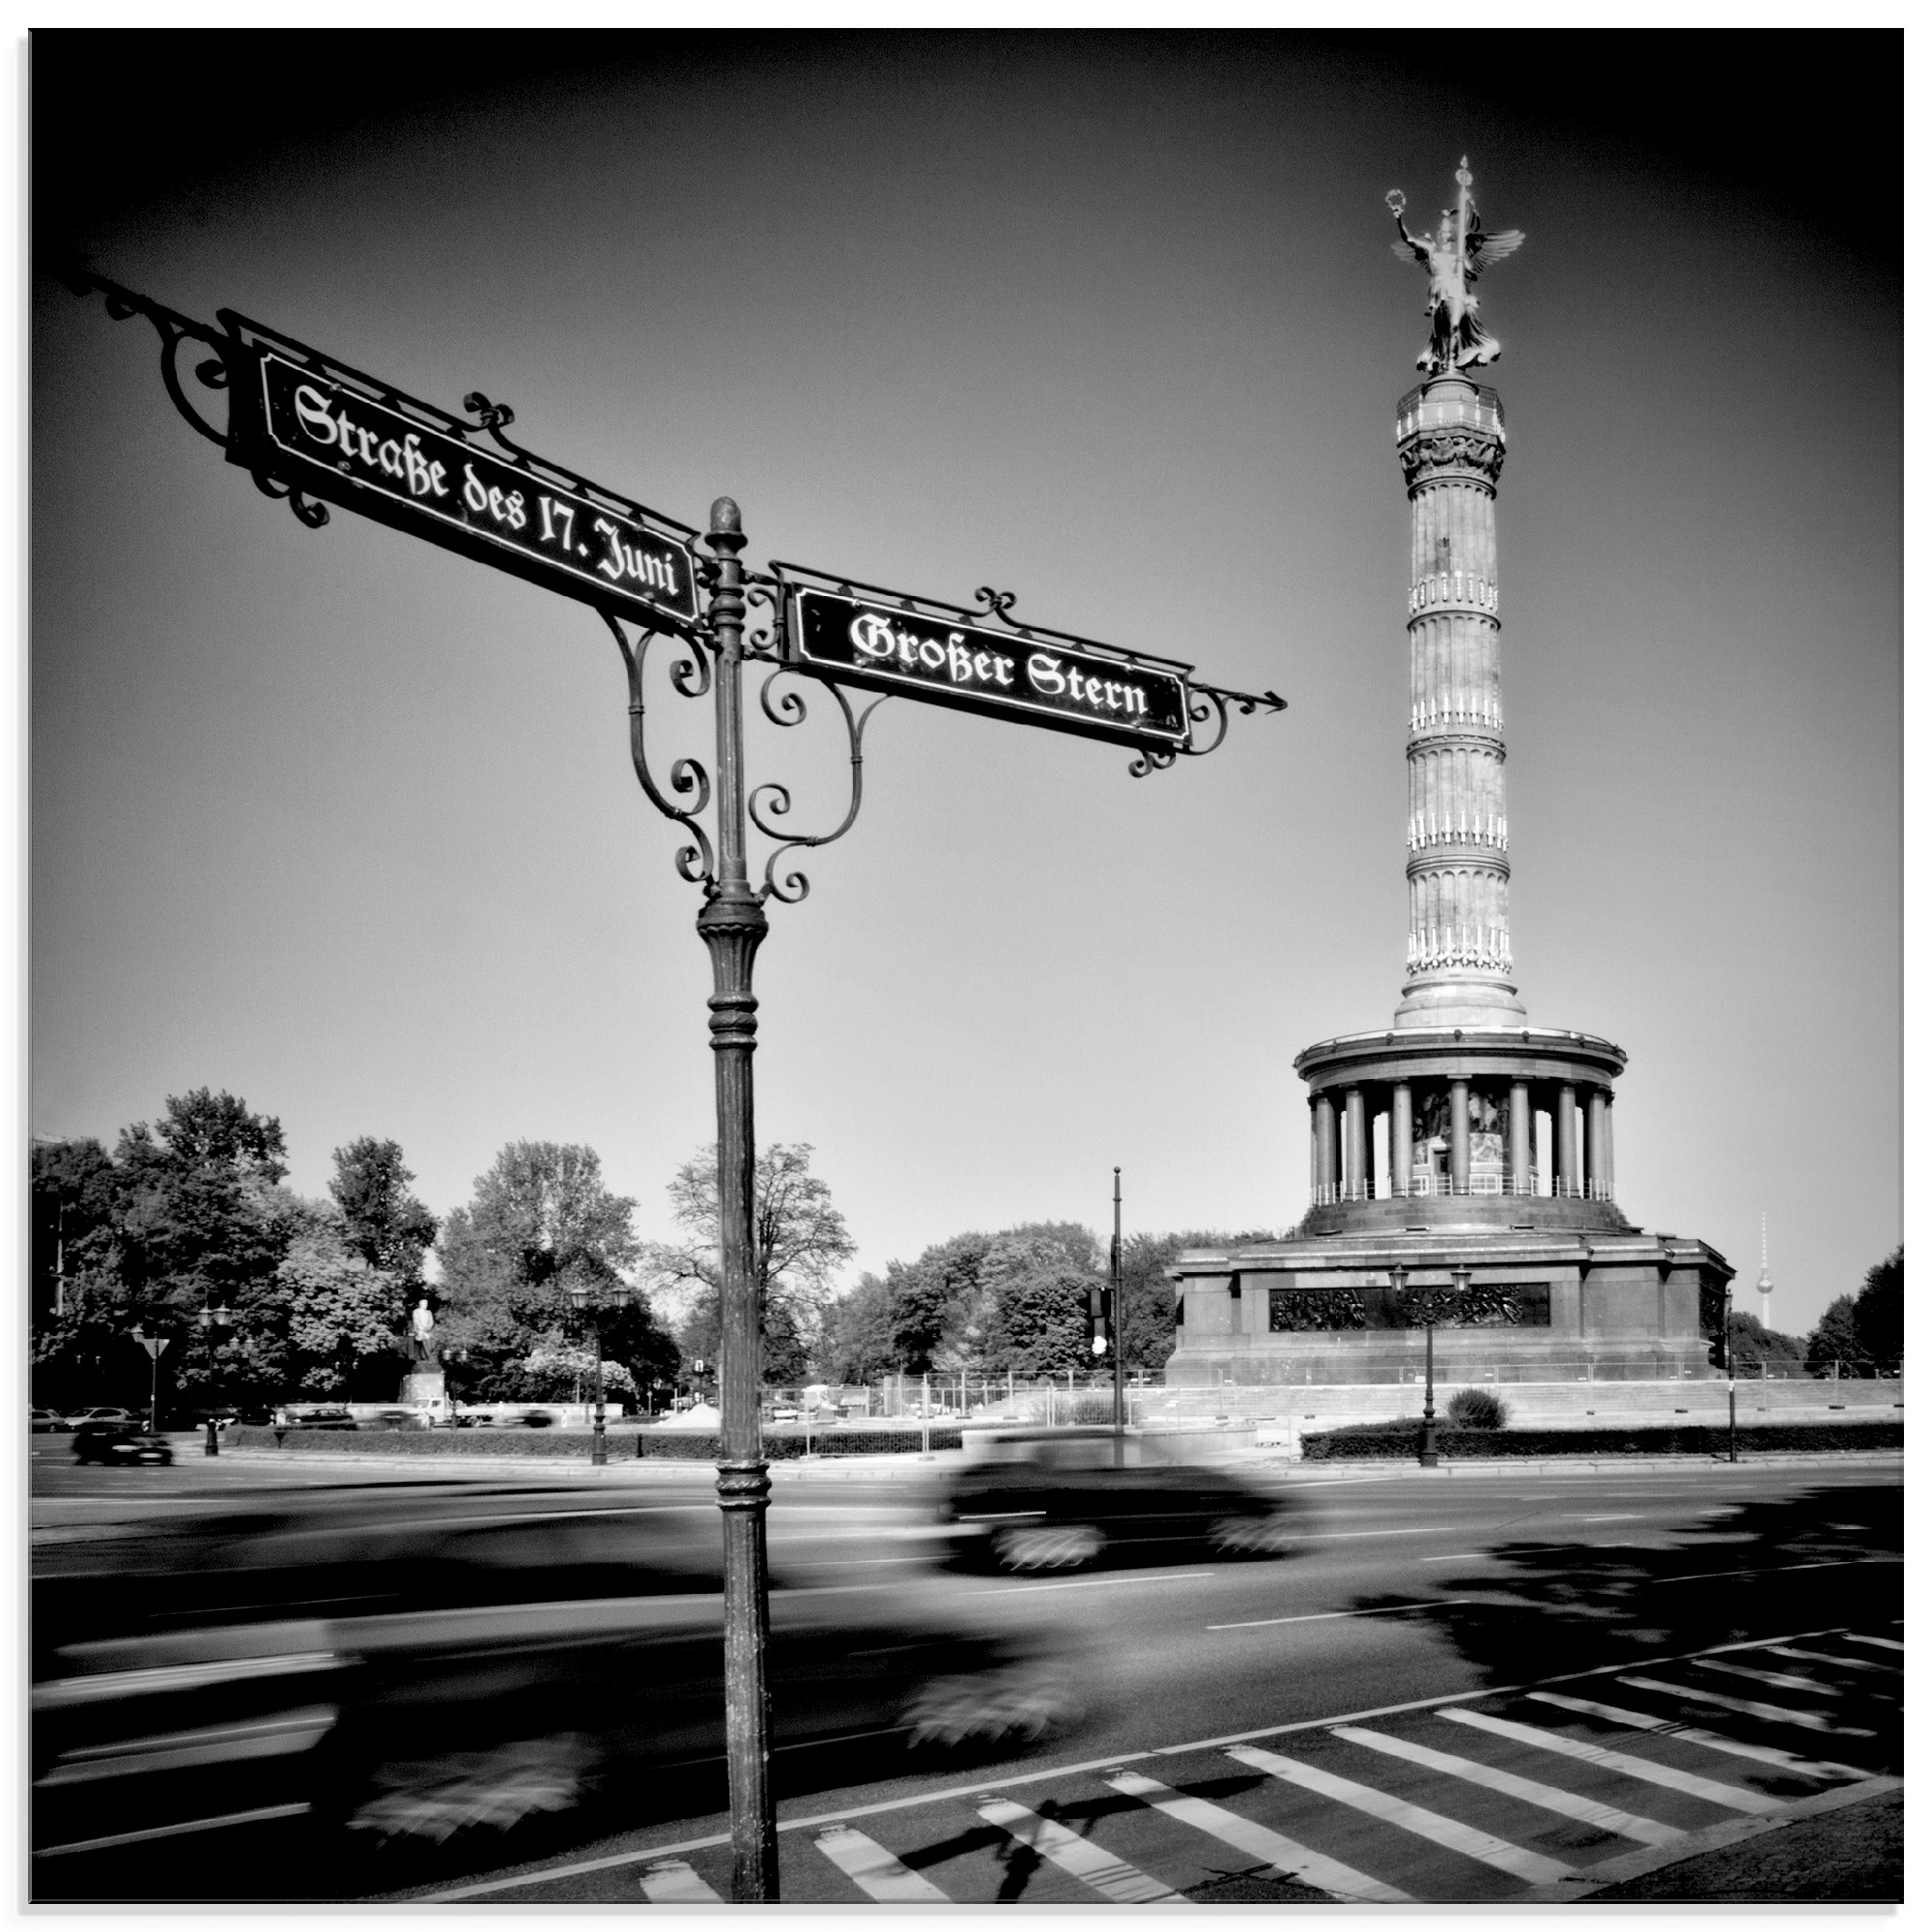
(1455, 256)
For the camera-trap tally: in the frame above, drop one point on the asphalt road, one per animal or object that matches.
(1370, 1716)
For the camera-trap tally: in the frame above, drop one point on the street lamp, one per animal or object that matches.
(208, 1321)
(1426, 1306)
(616, 1296)
(156, 1346)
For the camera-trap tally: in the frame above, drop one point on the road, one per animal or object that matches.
(1492, 1687)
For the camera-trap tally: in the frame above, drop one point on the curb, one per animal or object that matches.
(1713, 1837)
(1548, 1465)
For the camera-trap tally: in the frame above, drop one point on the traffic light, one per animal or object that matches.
(1100, 1318)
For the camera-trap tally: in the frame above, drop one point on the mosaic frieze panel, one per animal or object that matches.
(1517, 1305)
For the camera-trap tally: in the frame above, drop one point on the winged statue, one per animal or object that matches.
(1455, 256)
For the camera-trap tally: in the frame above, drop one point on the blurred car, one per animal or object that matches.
(46, 1422)
(119, 1442)
(320, 1416)
(1040, 1499)
(415, 1663)
(394, 1418)
(102, 1414)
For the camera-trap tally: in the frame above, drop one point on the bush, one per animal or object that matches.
(1398, 1441)
(1477, 1409)
(681, 1445)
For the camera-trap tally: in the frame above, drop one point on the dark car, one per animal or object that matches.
(1031, 1499)
(321, 1415)
(409, 1667)
(119, 1442)
(394, 1418)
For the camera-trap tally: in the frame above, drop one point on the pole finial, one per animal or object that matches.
(724, 517)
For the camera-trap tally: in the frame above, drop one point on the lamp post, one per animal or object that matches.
(1118, 1327)
(1426, 1306)
(208, 1321)
(1730, 1373)
(584, 1301)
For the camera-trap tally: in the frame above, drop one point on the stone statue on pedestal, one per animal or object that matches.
(422, 1328)
(1455, 256)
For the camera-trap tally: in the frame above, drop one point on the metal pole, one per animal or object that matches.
(597, 1450)
(1428, 1460)
(731, 924)
(1119, 1340)
(1730, 1372)
(153, 1390)
(926, 1418)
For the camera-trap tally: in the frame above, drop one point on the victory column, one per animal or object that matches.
(1488, 1193)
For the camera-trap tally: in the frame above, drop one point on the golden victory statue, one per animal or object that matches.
(1455, 256)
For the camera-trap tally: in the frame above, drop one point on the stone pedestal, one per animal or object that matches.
(424, 1388)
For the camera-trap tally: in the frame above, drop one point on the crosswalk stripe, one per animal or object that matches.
(1546, 1797)
(1876, 1642)
(1111, 1877)
(1456, 1836)
(1775, 1714)
(1289, 1859)
(1642, 1721)
(1708, 1788)
(875, 1871)
(672, 1881)
(1859, 1663)
(1779, 1680)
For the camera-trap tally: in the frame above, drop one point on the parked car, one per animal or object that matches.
(1037, 1499)
(422, 1665)
(119, 1442)
(46, 1422)
(106, 1414)
(320, 1416)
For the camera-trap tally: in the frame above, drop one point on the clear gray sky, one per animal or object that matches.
(346, 824)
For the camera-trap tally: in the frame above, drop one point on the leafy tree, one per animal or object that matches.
(342, 1336)
(1756, 1349)
(1879, 1314)
(1834, 1341)
(540, 1221)
(799, 1242)
(387, 1226)
(855, 1336)
(74, 1190)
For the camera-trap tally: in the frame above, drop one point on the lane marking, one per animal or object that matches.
(1775, 1713)
(1779, 1570)
(1546, 1797)
(1734, 1796)
(1285, 1857)
(1461, 1556)
(1876, 1642)
(1456, 1836)
(1626, 1516)
(672, 1881)
(1111, 1877)
(611, 1861)
(1642, 1721)
(1093, 1583)
(1324, 1616)
(261, 1816)
(1781, 1680)
(1837, 1662)
(875, 1871)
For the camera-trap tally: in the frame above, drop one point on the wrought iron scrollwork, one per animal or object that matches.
(687, 780)
(173, 329)
(996, 603)
(771, 801)
(1207, 703)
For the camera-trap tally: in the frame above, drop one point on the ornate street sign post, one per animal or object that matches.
(313, 431)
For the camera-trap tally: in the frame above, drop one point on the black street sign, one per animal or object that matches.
(1028, 679)
(329, 440)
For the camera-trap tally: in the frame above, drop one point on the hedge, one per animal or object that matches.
(678, 1445)
(1399, 1440)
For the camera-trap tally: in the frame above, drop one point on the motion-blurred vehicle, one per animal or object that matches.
(46, 1422)
(394, 1418)
(99, 1414)
(318, 1416)
(120, 1442)
(1039, 1500)
(429, 1664)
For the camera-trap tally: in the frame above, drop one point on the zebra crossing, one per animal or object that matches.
(1459, 1802)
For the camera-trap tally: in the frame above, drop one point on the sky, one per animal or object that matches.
(345, 824)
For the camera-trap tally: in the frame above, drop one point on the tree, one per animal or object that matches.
(1879, 1314)
(539, 1221)
(1834, 1348)
(1756, 1350)
(75, 1193)
(387, 1226)
(342, 1334)
(855, 1335)
(799, 1242)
